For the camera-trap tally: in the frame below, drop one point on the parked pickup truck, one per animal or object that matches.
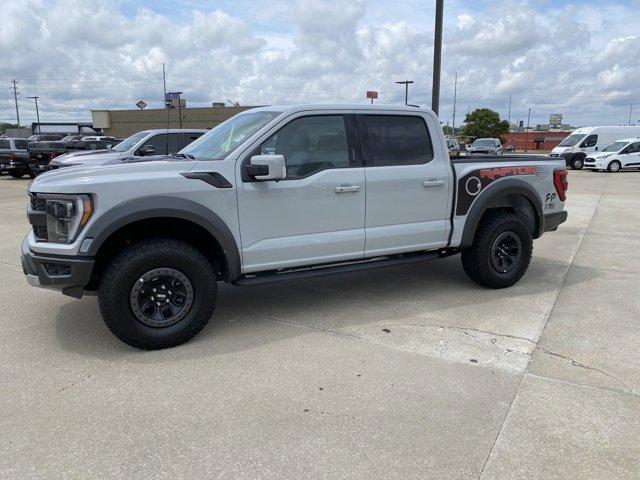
(277, 194)
(13, 156)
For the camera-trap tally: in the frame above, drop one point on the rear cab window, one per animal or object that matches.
(5, 144)
(392, 140)
(20, 144)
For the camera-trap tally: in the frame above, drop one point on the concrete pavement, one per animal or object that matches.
(407, 372)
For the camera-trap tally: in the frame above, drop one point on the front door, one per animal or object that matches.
(408, 185)
(631, 157)
(316, 214)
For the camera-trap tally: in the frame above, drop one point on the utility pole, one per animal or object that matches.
(437, 57)
(630, 112)
(164, 84)
(15, 99)
(179, 108)
(526, 135)
(455, 97)
(406, 90)
(37, 112)
(509, 117)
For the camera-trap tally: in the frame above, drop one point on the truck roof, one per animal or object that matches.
(347, 106)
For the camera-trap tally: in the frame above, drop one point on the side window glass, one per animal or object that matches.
(310, 145)
(634, 148)
(160, 143)
(397, 140)
(590, 141)
(187, 138)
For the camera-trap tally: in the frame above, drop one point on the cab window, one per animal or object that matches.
(396, 140)
(310, 145)
(590, 141)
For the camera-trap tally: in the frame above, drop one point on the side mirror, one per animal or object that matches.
(147, 150)
(266, 167)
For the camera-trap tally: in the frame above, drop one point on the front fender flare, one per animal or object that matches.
(165, 207)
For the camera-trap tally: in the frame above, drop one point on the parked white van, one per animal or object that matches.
(621, 154)
(586, 141)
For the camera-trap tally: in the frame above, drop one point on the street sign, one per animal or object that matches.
(371, 94)
(141, 104)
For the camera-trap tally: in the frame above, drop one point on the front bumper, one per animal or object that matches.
(67, 274)
(553, 220)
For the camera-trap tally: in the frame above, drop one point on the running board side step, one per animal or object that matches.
(332, 269)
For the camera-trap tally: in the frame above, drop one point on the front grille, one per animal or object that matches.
(40, 232)
(37, 204)
(589, 160)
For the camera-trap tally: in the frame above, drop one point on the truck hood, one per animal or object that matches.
(559, 150)
(83, 153)
(83, 179)
(93, 158)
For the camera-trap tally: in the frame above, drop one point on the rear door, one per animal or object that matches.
(316, 214)
(408, 187)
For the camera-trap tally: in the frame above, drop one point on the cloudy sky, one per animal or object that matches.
(578, 58)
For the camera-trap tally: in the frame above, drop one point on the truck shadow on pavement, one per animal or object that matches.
(251, 317)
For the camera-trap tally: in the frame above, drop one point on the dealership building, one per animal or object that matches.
(122, 123)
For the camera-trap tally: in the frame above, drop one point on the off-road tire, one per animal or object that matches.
(477, 259)
(16, 173)
(126, 268)
(616, 168)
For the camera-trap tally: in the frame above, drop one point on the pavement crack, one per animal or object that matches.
(576, 363)
(463, 330)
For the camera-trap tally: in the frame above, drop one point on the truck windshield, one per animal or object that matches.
(615, 147)
(128, 143)
(483, 142)
(572, 140)
(226, 137)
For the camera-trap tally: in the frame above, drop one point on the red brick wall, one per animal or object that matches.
(535, 140)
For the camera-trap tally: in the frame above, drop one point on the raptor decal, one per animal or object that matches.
(474, 182)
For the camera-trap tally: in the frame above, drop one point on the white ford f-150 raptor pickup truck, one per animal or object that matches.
(279, 193)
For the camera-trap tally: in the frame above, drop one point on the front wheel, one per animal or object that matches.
(577, 163)
(614, 166)
(501, 251)
(157, 293)
(16, 173)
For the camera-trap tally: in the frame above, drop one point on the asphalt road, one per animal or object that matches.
(407, 372)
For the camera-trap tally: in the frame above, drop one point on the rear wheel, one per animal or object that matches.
(614, 166)
(157, 294)
(501, 251)
(16, 173)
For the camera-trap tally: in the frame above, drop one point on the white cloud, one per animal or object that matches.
(83, 54)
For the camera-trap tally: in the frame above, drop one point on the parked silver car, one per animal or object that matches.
(485, 146)
(161, 141)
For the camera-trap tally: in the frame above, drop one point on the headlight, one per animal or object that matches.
(66, 216)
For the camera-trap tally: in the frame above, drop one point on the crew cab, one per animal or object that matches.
(281, 193)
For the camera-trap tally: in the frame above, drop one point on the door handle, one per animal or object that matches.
(347, 188)
(432, 182)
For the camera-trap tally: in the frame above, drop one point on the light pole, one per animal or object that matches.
(526, 134)
(437, 56)
(37, 112)
(406, 90)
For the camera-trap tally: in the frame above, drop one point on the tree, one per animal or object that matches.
(448, 131)
(483, 122)
(4, 126)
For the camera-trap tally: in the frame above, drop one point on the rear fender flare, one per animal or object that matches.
(499, 189)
